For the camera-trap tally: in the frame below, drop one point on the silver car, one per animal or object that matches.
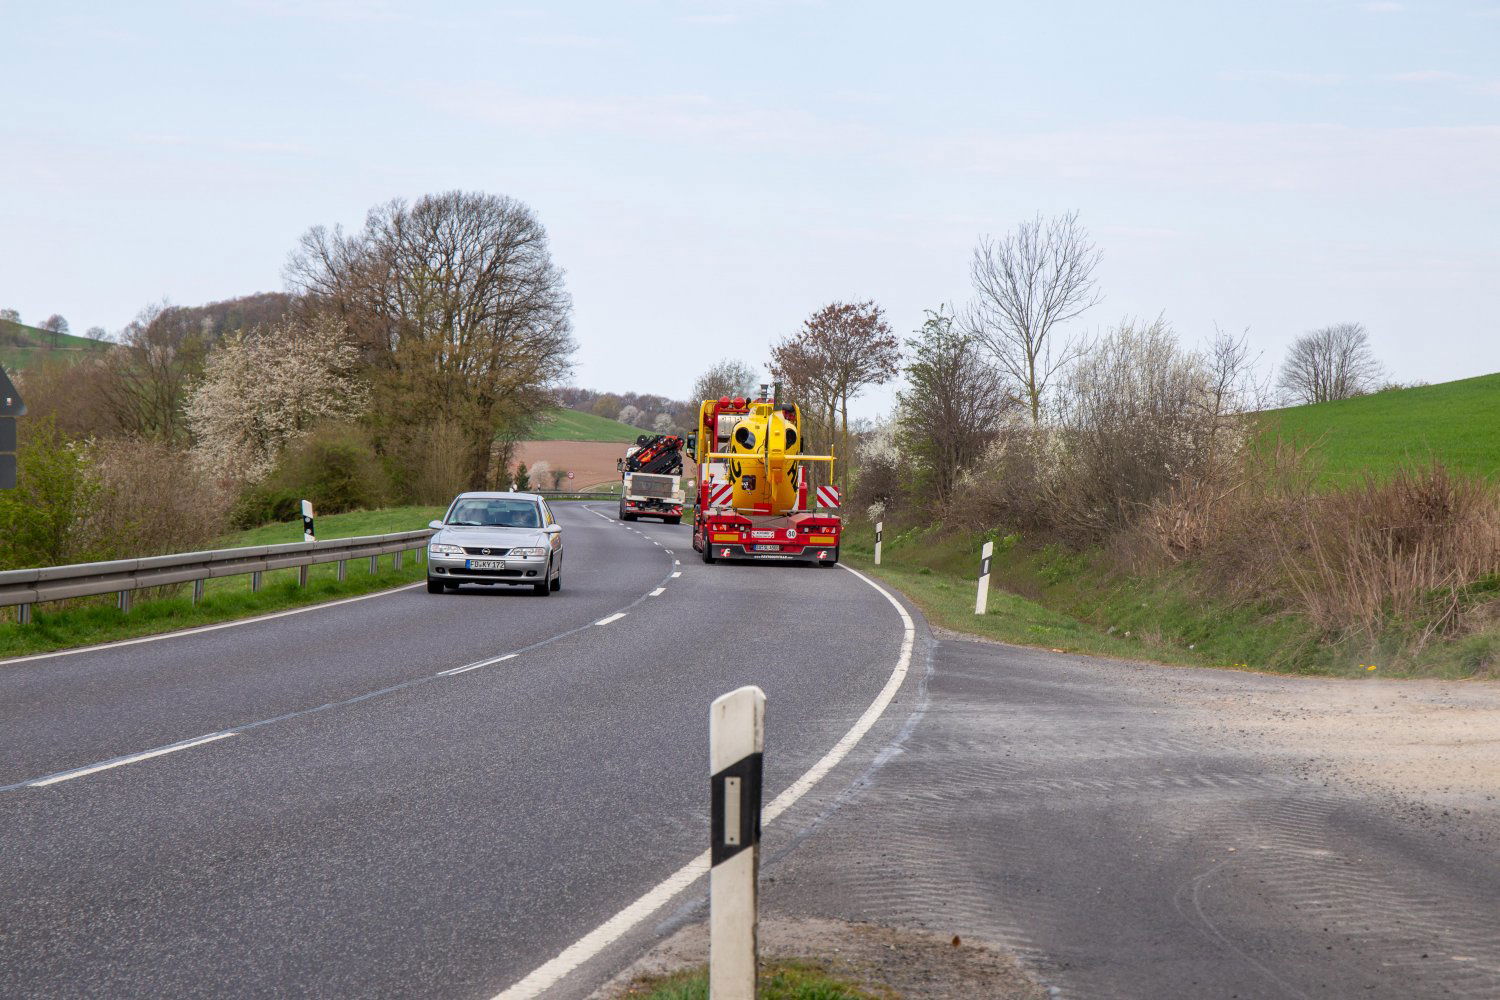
(496, 538)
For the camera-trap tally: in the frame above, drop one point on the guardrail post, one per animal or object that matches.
(23, 614)
(396, 560)
(736, 737)
(255, 582)
(982, 601)
(302, 576)
(343, 569)
(372, 564)
(879, 534)
(197, 591)
(122, 600)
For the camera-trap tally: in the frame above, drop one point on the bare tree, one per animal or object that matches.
(728, 377)
(459, 307)
(148, 376)
(10, 316)
(1334, 362)
(953, 405)
(57, 326)
(97, 334)
(841, 349)
(1040, 275)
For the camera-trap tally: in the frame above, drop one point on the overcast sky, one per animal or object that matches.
(710, 173)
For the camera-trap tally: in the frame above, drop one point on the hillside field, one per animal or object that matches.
(1457, 423)
(575, 425)
(22, 345)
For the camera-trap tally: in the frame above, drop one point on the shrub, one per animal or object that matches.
(334, 466)
(41, 519)
(152, 500)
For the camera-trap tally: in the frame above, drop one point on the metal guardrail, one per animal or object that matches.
(24, 587)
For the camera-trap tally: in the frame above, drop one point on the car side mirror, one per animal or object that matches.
(435, 525)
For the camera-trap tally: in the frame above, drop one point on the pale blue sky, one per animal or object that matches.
(712, 172)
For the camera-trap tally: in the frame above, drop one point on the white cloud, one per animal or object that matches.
(1225, 156)
(1425, 76)
(1286, 76)
(1384, 7)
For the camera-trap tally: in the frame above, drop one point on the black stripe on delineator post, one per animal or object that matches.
(984, 567)
(723, 846)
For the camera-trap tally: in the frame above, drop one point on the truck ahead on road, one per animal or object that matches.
(756, 500)
(651, 479)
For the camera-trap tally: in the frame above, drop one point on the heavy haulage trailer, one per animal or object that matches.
(754, 497)
(651, 479)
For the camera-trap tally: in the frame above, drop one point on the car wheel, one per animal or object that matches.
(435, 586)
(545, 587)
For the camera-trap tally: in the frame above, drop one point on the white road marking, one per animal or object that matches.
(550, 973)
(206, 628)
(677, 574)
(658, 591)
(676, 562)
(459, 670)
(122, 761)
(612, 618)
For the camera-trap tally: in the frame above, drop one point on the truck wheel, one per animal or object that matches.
(830, 562)
(672, 520)
(708, 552)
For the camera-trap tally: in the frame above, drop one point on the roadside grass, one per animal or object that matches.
(1050, 599)
(1457, 423)
(575, 425)
(85, 622)
(788, 980)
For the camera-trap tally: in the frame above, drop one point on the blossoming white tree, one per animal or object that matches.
(263, 389)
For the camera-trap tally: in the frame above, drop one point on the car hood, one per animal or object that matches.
(504, 538)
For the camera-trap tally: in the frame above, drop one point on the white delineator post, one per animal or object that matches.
(308, 535)
(736, 739)
(983, 600)
(879, 531)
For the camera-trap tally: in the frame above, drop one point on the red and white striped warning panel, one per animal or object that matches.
(828, 496)
(719, 494)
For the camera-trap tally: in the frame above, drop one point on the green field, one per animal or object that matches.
(575, 425)
(85, 622)
(22, 345)
(1457, 423)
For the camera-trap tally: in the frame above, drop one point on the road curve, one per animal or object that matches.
(375, 820)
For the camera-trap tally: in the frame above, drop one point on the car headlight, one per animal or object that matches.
(443, 549)
(528, 552)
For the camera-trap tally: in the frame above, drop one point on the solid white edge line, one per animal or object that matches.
(612, 618)
(550, 973)
(132, 759)
(658, 591)
(200, 629)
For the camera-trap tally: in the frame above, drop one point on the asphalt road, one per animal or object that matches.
(1117, 827)
(373, 826)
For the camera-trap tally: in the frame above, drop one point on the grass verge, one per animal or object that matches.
(788, 980)
(1065, 602)
(66, 625)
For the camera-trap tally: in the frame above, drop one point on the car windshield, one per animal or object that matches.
(496, 514)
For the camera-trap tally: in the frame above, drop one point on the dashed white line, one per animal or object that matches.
(550, 973)
(612, 618)
(122, 761)
(658, 591)
(676, 574)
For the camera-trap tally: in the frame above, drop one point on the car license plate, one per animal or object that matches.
(762, 534)
(486, 564)
(766, 548)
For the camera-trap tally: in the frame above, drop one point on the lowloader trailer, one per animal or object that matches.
(754, 498)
